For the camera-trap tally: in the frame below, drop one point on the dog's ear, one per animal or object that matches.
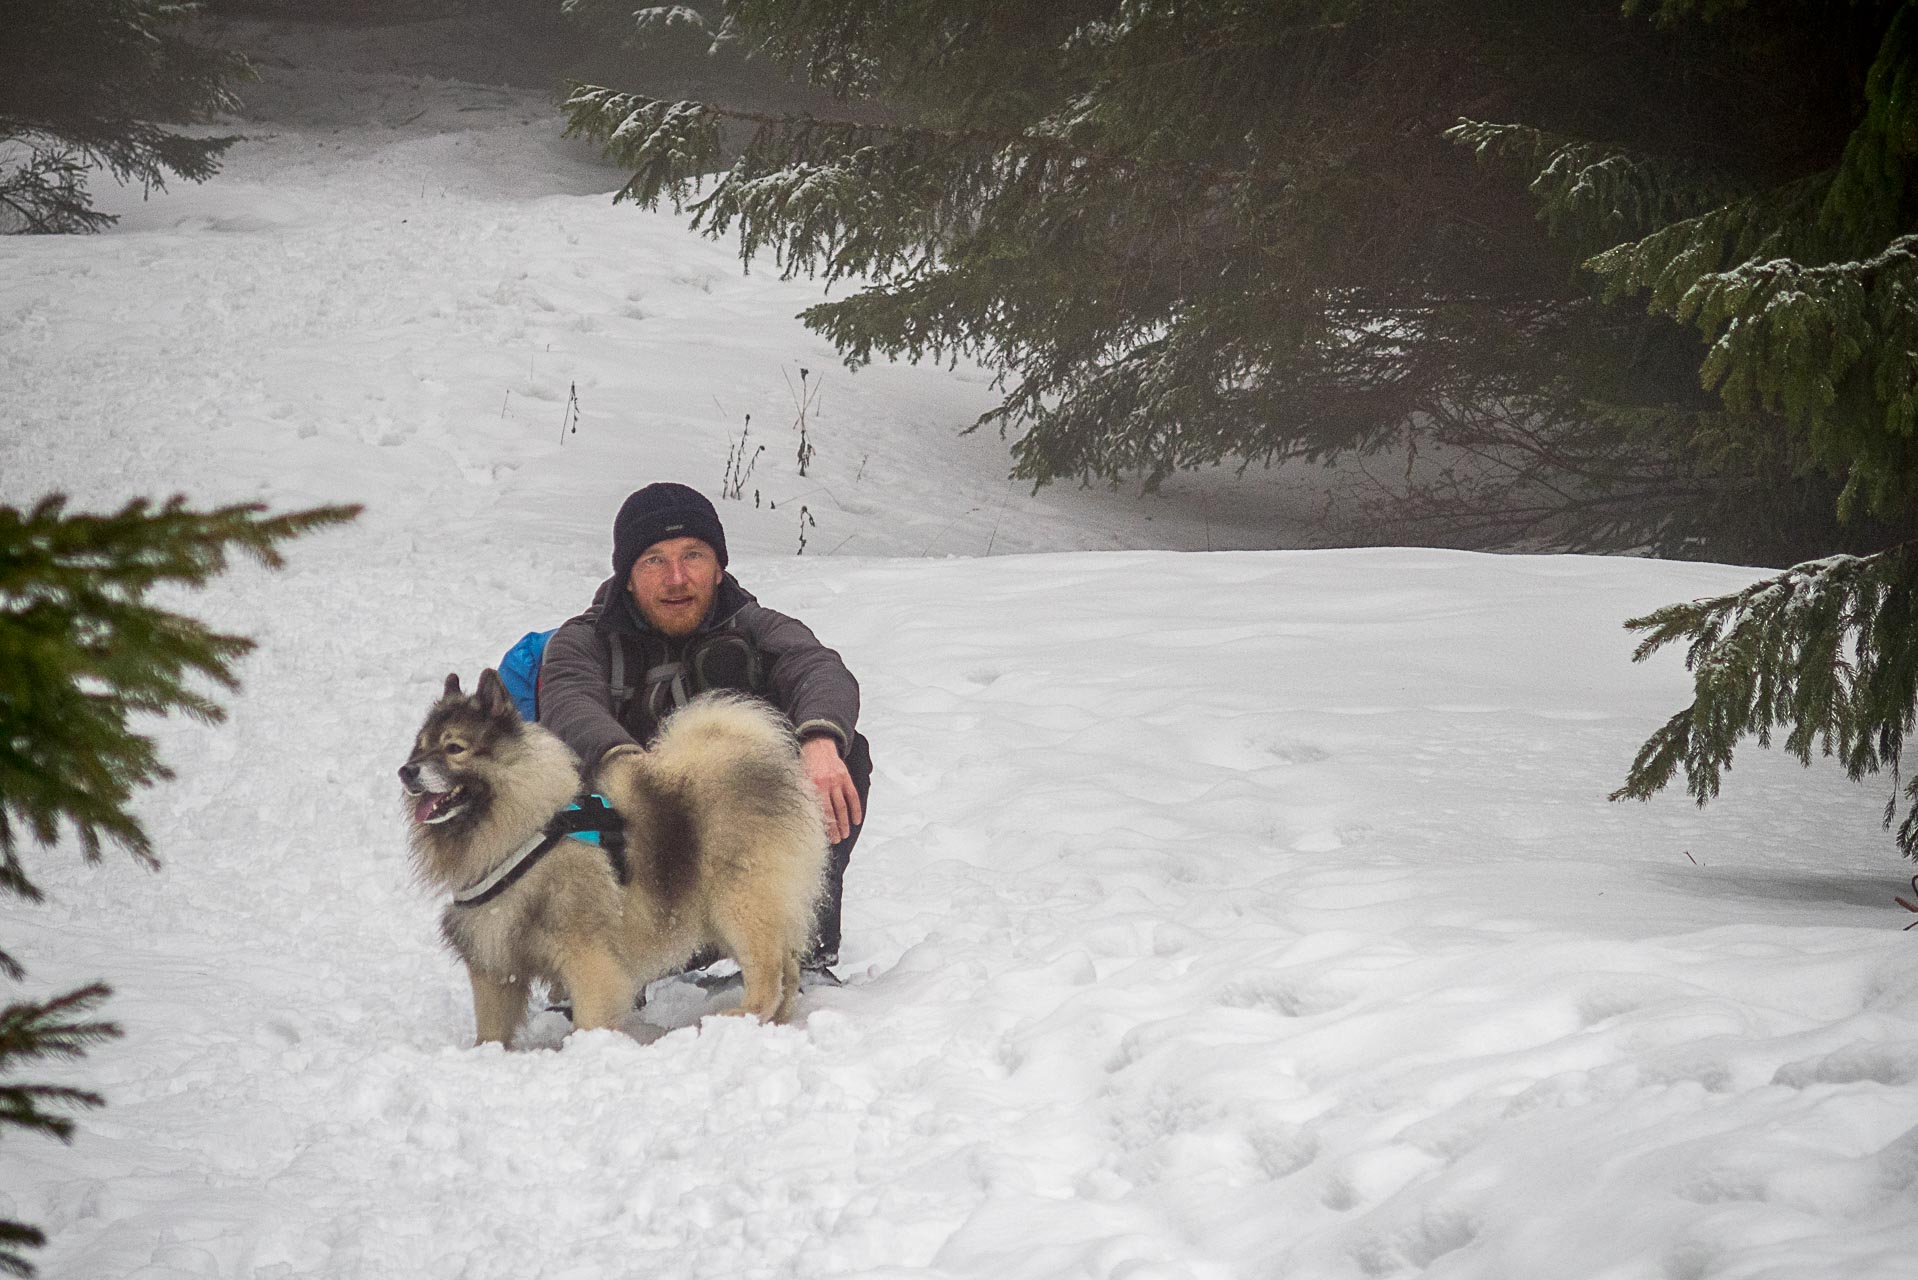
(452, 684)
(493, 698)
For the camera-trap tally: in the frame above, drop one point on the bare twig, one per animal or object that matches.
(569, 421)
(1909, 906)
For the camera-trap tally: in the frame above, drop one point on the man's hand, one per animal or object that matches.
(624, 749)
(838, 798)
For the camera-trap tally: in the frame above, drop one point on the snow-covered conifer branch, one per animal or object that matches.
(1816, 651)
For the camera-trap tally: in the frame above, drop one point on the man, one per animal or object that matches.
(671, 623)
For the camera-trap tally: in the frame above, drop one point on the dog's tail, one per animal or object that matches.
(739, 755)
(718, 726)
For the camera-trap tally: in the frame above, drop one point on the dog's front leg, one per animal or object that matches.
(499, 1006)
(602, 990)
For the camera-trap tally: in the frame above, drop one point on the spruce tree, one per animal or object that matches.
(1188, 232)
(89, 84)
(1803, 284)
(81, 653)
(1194, 231)
(1184, 233)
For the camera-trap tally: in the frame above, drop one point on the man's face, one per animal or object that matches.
(673, 582)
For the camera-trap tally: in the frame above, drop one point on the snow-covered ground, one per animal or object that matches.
(1254, 914)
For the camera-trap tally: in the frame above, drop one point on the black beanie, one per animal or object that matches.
(659, 512)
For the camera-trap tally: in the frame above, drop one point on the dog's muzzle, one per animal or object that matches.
(437, 806)
(430, 807)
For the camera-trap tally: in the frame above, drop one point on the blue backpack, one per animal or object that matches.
(519, 672)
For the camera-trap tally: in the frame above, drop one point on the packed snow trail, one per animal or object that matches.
(1256, 914)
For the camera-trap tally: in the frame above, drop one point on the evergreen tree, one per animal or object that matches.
(81, 651)
(1803, 282)
(1198, 231)
(83, 85)
(1191, 231)
(1185, 232)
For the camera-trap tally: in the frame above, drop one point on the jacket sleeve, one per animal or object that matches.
(808, 681)
(575, 697)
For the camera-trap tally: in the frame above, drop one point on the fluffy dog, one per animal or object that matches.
(725, 848)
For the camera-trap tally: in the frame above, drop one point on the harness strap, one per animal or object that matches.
(646, 682)
(591, 816)
(622, 692)
(595, 821)
(673, 676)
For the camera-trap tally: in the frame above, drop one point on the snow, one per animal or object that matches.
(1252, 914)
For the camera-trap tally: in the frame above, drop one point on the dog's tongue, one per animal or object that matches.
(429, 804)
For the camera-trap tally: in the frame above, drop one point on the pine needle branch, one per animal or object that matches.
(30, 1031)
(82, 652)
(1817, 651)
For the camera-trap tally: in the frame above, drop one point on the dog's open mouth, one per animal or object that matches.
(437, 806)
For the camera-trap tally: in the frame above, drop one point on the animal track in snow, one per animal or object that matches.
(1296, 996)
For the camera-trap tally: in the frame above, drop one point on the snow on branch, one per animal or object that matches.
(1815, 651)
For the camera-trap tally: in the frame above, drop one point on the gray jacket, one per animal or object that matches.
(792, 670)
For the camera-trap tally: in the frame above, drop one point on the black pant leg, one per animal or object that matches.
(826, 931)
